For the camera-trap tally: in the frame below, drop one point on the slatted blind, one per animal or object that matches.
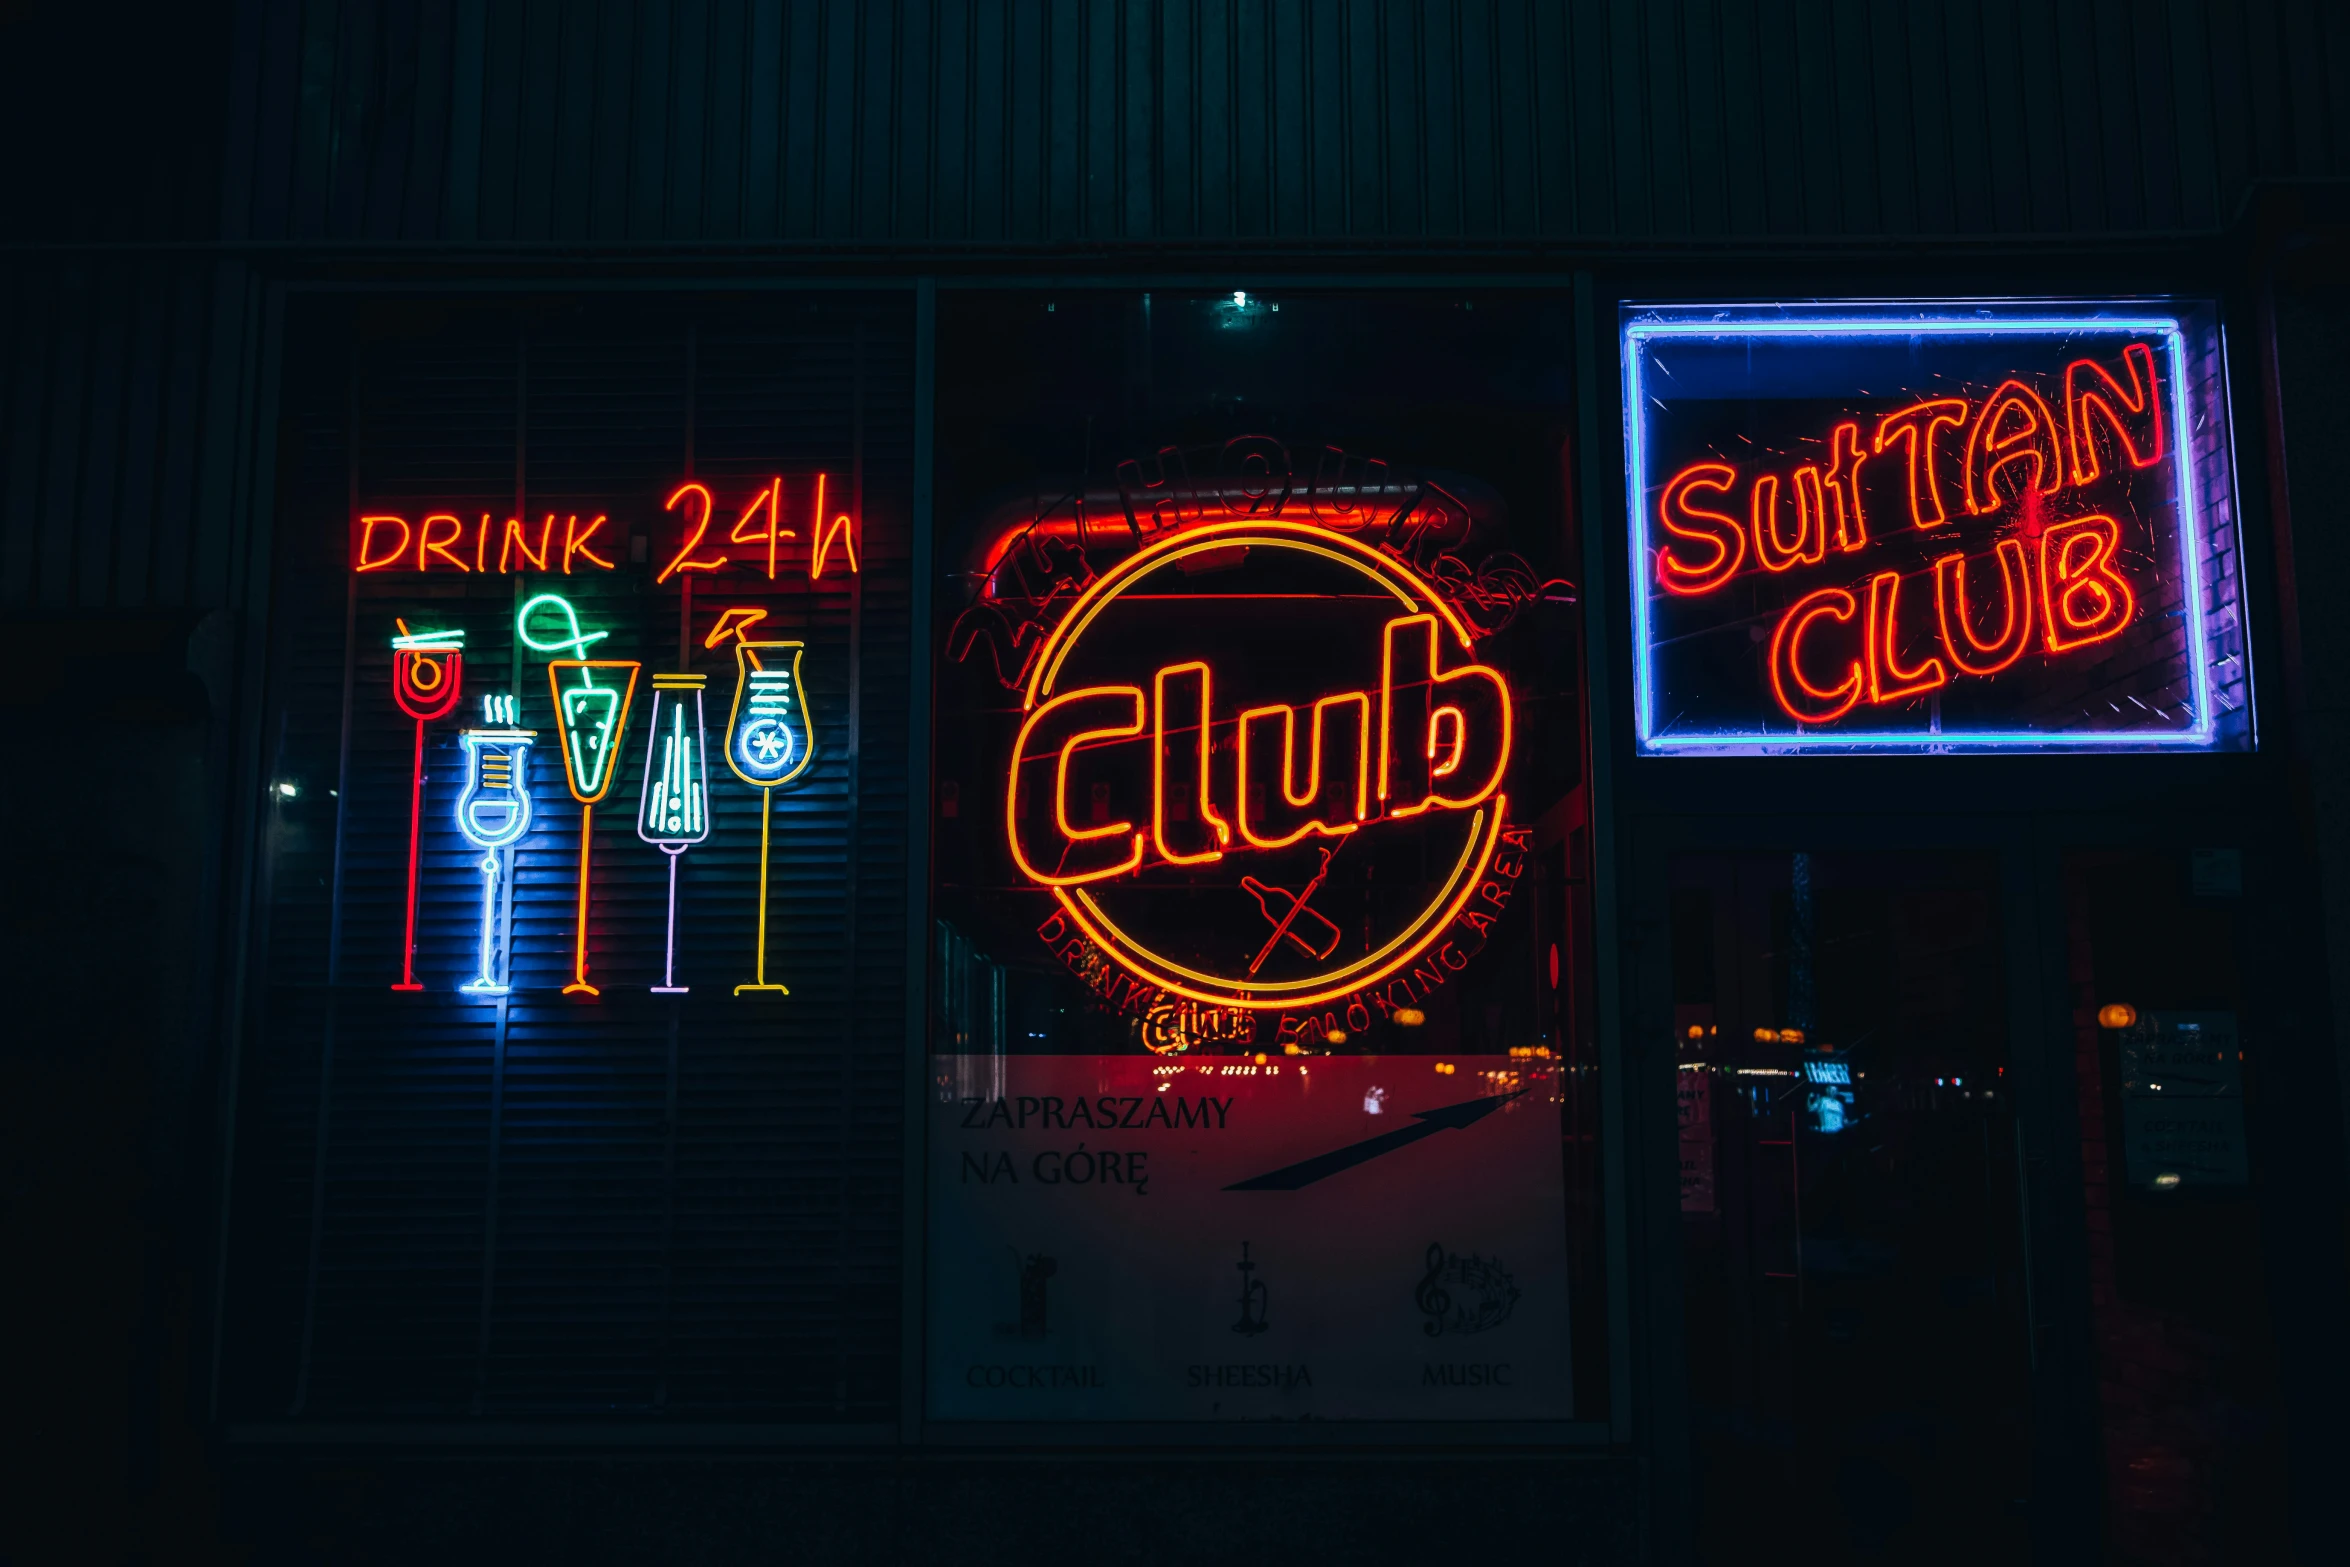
(627, 1204)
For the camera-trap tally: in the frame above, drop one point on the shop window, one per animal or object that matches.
(1263, 1074)
(1851, 1223)
(579, 929)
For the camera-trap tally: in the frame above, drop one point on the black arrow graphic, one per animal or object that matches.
(1290, 1177)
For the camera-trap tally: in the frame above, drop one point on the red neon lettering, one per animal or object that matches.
(2090, 390)
(1310, 804)
(2082, 598)
(1346, 490)
(1914, 427)
(1065, 707)
(1997, 440)
(1211, 832)
(768, 502)
(1970, 653)
(1811, 539)
(369, 560)
(1888, 681)
(1717, 531)
(839, 528)
(1801, 700)
(1164, 502)
(1843, 481)
(514, 544)
(427, 546)
(698, 505)
(576, 543)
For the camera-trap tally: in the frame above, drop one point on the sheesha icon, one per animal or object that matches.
(1261, 767)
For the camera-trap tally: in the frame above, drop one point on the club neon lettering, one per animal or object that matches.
(1365, 756)
(1165, 779)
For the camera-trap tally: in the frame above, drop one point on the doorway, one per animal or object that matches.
(1852, 1237)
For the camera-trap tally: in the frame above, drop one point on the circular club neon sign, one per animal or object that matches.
(1260, 766)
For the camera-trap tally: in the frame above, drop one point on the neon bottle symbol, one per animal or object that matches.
(673, 812)
(591, 716)
(768, 741)
(428, 670)
(493, 813)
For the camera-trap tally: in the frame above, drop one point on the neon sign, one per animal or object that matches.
(577, 543)
(1896, 529)
(493, 813)
(428, 669)
(591, 716)
(769, 742)
(1223, 844)
(673, 808)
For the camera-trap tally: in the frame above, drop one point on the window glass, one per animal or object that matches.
(1262, 1080)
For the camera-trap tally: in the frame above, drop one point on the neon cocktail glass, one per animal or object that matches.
(768, 744)
(428, 669)
(673, 812)
(493, 813)
(591, 715)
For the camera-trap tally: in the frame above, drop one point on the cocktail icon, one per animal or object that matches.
(493, 813)
(673, 812)
(428, 670)
(591, 716)
(768, 739)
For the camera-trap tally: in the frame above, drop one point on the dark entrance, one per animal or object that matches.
(1858, 1299)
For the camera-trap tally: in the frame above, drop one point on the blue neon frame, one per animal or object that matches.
(1905, 319)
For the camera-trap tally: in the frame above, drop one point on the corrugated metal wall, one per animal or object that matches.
(127, 433)
(1032, 121)
(1244, 124)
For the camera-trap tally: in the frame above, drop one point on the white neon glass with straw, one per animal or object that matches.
(493, 813)
(673, 809)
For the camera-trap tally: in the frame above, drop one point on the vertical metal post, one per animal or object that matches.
(921, 572)
(322, 1121)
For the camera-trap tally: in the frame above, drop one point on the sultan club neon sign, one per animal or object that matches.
(1211, 828)
(1887, 531)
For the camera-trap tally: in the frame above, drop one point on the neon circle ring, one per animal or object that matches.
(1341, 811)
